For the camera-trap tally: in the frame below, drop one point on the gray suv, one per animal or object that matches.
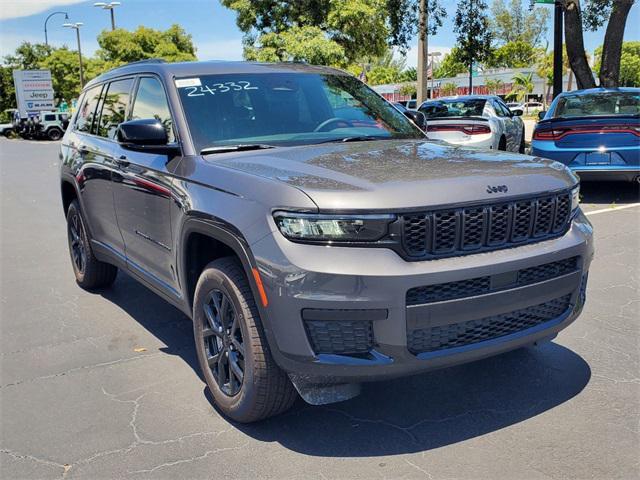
(311, 232)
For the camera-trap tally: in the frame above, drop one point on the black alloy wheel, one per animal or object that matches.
(223, 342)
(76, 235)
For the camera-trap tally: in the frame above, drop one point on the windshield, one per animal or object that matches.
(453, 108)
(605, 103)
(286, 109)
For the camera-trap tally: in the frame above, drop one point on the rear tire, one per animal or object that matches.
(502, 144)
(236, 363)
(54, 134)
(89, 271)
(522, 145)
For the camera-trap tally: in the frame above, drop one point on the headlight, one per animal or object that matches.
(575, 200)
(333, 228)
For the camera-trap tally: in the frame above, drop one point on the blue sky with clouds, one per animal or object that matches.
(212, 26)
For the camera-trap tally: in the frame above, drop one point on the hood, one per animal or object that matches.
(392, 174)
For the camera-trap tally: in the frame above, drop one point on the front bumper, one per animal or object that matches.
(326, 280)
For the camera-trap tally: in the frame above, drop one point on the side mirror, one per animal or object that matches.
(145, 135)
(541, 114)
(516, 113)
(417, 117)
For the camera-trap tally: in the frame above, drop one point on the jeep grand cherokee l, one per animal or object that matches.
(311, 232)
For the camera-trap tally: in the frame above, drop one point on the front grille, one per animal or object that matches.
(482, 285)
(473, 331)
(340, 337)
(457, 231)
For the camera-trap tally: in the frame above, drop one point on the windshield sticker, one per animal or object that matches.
(217, 88)
(187, 82)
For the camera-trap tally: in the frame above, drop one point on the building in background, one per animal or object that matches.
(394, 92)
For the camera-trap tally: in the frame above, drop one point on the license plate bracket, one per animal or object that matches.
(598, 158)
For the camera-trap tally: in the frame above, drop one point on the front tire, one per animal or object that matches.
(521, 149)
(232, 350)
(90, 273)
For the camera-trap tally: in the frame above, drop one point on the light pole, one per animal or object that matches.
(109, 6)
(76, 26)
(433, 54)
(46, 38)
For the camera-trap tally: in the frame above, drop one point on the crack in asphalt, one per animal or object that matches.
(83, 367)
(408, 430)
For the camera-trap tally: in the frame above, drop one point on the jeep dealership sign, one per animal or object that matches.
(34, 90)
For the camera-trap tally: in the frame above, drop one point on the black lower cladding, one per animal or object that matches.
(473, 331)
(482, 285)
(340, 337)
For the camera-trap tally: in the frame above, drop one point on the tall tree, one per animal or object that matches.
(522, 86)
(354, 27)
(629, 64)
(594, 15)
(121, 46)
(613, 37)
(404, 20)
(575, 44)
(515, 22)
(451, 65)
(471, 26)
(516, 54)
(359, 27)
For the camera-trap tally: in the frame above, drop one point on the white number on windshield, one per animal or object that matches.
(217, 88)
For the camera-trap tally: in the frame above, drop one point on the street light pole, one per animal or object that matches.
(46, 38)
(76, 26)
(557, 49)
(109, 6)
(433, 54)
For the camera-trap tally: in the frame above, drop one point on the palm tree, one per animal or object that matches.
(494, 85)
(522, 86)
(449, 89)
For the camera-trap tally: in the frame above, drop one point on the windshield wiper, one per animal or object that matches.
(235, 148)
(359, 138)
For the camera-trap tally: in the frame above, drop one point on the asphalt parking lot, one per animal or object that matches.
(105, 385)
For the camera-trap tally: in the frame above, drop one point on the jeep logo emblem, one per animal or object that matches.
(497, 188)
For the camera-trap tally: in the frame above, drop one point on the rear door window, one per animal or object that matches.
(87, 113)
(114, 107)
(151, 102)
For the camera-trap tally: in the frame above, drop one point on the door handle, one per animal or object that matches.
(82, 149)
(122, 161)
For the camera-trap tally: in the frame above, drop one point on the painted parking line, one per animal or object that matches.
(612, 209)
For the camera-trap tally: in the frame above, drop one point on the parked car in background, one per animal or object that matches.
(6, 129)
(400, 106)
(409, 104)
(525, 108)
(54, 124)
(47, 125)
(474, 121)
(594, 132)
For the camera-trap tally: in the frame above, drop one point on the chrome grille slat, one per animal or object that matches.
(458, 231)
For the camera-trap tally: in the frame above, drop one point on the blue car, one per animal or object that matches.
(594, 132)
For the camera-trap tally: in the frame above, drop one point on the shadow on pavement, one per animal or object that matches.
(393, 417)
(607, 193)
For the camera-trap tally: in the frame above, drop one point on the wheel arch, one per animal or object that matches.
(203, 240)
(69, 193)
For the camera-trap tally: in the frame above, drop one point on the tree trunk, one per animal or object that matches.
(612, 48)
(575, 45)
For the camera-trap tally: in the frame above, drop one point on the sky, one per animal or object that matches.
(212, 26)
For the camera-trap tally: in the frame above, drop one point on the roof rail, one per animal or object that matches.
(148, 60)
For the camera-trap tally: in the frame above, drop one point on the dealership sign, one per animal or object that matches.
(34, 90)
